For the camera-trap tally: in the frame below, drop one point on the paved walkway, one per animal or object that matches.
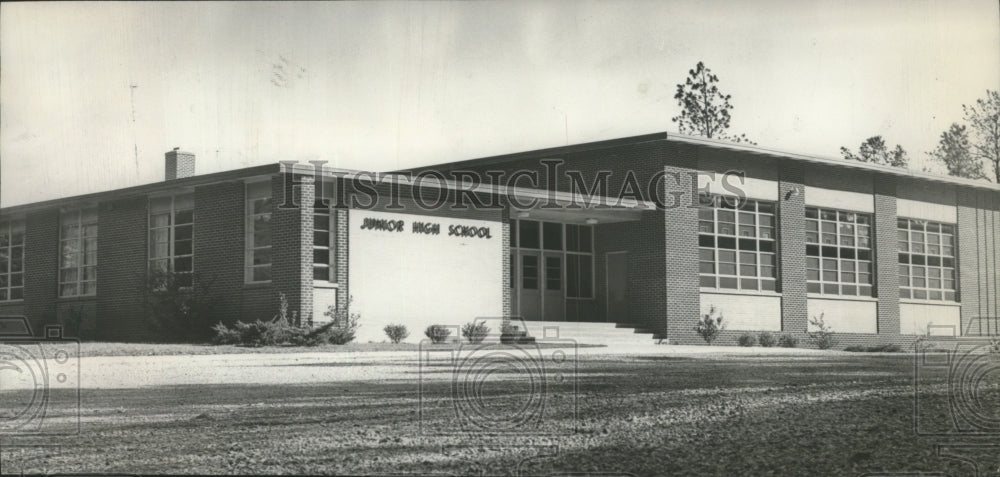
(122, 372)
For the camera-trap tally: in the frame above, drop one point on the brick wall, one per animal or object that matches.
(292, 243)
(122, 227)
(41, 267)
(886, 260)
(219, 243)
(791, 247)
(680, 232)
(646, 268)
(978, 240)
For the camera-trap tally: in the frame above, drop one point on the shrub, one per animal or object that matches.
(285, 329)
(995, 346)
(475, 332)
(746, 340)
(396, 333)
(225, 335)
(178, 306)
(767, 340)
(342, 328)
(709, 325)
(511, 334)
(788, 341)
(437, 333)
(822, 337)
(260, 333)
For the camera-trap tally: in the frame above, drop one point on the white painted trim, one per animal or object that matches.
(728, 291)
(820, 296)
(839, 199)
(914, 209)
(911, 301)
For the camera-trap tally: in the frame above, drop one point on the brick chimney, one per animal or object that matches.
(179, 165)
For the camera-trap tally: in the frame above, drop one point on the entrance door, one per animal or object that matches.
(553, 300)
(529, 296)
(617, 278)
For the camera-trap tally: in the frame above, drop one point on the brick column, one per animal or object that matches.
(886, 260)
(292, 242)
(219, 248)
(342, 237)
(974, 247)
(505, 261)
(122, 258)
(41, 267)
(791, 244)
(680, 243)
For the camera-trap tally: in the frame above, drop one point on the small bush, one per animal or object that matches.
(341, 329)
(788, 341)
(259, 333)
(822, 337)
(995, 346)
(475, 332)
(767, 340)
(437, 333)
(746, 340)
(396, 333)
(709, 325)
(225, 335)
(882, 348)
(285, 329)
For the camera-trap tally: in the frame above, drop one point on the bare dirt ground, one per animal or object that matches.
(665, 410)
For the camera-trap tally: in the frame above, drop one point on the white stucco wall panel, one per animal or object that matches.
(915, 209)
(845, 316)
(745, 312)
(420, 279)
(930, 319)
(839, 199)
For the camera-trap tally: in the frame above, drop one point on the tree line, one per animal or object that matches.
(970, 149)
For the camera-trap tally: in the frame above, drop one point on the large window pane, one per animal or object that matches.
(839, 266)
(724, 230)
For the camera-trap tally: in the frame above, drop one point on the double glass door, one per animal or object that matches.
(539, 285)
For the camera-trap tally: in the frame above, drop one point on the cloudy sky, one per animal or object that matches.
(387, 85)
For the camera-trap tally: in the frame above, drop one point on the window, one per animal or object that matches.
(324, 242)
(258, 232)
(11, 259)
(838, 252)
(737, 245)
(171, 236)
(926, 260)
(567, 244)
(78, 253)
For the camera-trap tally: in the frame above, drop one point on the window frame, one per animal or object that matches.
(854, 251)
(332, 248)
(7, 274)
(711, 231)
(78, 216)
(906, 249)
(566, 282)
(249, 219)
(172, 256)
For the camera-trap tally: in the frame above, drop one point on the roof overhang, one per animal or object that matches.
(829, 161)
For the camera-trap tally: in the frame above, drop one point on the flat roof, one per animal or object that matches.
(266, 169)
(717, 144)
